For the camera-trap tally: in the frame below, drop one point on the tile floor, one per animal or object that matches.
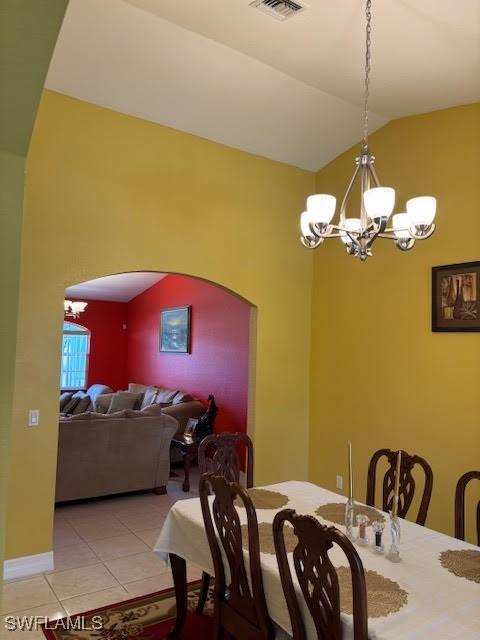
(102, 554)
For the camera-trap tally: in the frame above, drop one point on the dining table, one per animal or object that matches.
(432, 593)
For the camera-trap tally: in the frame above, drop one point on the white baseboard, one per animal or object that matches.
(27, 565)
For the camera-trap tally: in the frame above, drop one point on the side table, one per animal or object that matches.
(189, 451)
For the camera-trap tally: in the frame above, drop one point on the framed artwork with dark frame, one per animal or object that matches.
(455, 297)
(175, 330)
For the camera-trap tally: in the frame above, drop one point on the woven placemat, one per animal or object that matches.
(265, 536)
(264, 499)
(335, 512)
(384, 596)
(464, 563)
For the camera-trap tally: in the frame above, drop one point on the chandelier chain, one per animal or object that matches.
(368, 42)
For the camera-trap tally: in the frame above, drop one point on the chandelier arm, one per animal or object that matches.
(374, 174)
(347, 194)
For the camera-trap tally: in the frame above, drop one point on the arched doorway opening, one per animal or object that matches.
(127, 319)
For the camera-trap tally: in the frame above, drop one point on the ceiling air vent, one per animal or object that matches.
(279, 9)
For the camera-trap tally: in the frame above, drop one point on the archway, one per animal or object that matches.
(124, 315)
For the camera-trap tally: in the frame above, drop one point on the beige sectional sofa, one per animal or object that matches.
(116, 450)
(104, 454)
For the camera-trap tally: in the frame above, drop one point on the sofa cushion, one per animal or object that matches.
(182, 397)
(124, 400)
(149, 397)
(95, 390)
(102, 402)
(134, 387)
(71, 404)
(64, 400)
(165, 395)
(83, 405)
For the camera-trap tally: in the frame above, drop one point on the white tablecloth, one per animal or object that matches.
(440, 605)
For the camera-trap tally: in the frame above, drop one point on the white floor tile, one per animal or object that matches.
(149, 585)
(89, 601)
(118, 547)
(137, 567)
(73, 556)
(25, 594)
(76, 582)
(98, 527)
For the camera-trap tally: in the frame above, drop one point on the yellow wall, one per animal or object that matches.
(108, 193)
(379, 376)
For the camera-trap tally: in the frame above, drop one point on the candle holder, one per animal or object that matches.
(362, 522)
(394, 552)
(378, 528)
(349, 518)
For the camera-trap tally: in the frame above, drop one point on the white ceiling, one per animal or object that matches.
(121, 287)
(290, 91)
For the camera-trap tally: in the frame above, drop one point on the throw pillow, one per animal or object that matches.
(165, 395)
(102, 402)
(124, 400)
(71, 404)
(149, 397)
(64, 400)
(133, 387)
(82, 405)
(182, 397)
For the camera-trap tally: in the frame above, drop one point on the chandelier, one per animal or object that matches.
(73, 309)
(376, 202)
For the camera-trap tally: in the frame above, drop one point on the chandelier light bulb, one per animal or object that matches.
(321, 208)
(421, 210)
(305, 225)
(401, 224)
(379, 202)
(350, 224)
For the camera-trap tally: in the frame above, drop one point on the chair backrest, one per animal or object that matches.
(460, 505)
(244, 609)
(219, 453)
(318, 578)
(407, 483)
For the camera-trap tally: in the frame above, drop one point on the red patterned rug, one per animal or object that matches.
(145, 618)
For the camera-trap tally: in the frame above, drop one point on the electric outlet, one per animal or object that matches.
(33, 417)
(339, 482)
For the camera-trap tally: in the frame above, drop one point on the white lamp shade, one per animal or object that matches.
(379, 202)
(78, 307)
(321, 207)
(422, 210)
(401, 224)
(305, 224)
(351, 224)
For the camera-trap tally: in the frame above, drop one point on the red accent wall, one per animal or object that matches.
(218, 362)
(108, 342)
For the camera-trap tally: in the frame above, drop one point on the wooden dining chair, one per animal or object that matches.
(318, 577)
(407, 483)
(219, 453)
(460, 505)
(239, 606)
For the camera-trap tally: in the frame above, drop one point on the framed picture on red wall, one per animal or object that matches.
(175, 330)
(455, 297)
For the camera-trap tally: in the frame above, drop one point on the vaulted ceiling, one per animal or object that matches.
(290, 91)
